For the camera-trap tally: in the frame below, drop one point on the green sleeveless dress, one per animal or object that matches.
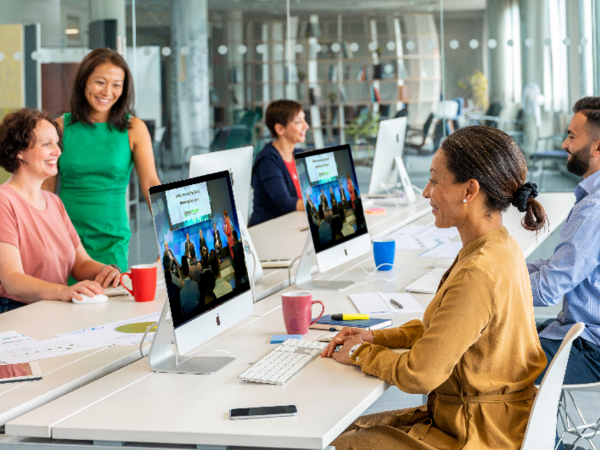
(95, 168)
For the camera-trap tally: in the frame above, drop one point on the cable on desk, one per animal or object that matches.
(376, 279)
(247, 249)
(393, 265)
(290, 268)
(144, 337)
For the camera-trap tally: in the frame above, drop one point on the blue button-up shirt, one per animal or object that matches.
(573, 272)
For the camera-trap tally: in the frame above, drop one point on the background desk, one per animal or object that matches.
(284, 238)
(136, 405)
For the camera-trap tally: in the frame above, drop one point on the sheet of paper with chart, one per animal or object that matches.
(446, 250)
(413, 237)
(12, 338)
(123, 332)
(30, 350)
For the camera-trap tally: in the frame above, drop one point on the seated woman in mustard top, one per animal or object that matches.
(476, 351)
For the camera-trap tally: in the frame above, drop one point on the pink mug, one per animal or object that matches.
(297, 311)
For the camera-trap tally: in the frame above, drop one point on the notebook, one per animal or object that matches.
(327, 323)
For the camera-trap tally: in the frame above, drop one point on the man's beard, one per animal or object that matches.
(579, 163)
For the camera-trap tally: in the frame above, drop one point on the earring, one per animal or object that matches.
(464, 200)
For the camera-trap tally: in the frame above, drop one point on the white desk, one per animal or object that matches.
(284, 238)
(136, 405)
(43, 320)
(65, 374)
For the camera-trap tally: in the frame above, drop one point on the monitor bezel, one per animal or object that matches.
(346, 239)
(231, 310)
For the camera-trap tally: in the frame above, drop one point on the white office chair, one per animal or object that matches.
(586, 430)
(541, 428)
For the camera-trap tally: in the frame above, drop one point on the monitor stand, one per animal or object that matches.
(304, 279)
(406, 184)
(162, 358)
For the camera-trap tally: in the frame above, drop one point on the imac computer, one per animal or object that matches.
(238, 162)
(208, 287)
(388, 153)
(336, 218)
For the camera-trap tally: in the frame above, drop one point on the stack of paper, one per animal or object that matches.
(30, 350)
(413, 237)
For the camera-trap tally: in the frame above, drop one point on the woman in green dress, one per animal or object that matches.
(102, 141)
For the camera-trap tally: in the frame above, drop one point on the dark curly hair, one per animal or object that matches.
(491, 157)
(17, 134)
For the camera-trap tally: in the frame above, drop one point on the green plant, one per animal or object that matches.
(476, 88)
(365, 126)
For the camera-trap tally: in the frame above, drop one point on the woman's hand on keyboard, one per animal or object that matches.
(346, 334)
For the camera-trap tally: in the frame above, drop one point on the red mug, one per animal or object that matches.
(143, 282)
(297, 311)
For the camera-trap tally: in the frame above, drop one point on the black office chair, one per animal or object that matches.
(423, 148)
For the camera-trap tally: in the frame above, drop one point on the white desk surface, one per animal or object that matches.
(65, 374)
(284, 238)
(136, 405)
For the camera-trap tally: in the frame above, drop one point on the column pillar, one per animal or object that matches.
(496, 25)
(190, 77)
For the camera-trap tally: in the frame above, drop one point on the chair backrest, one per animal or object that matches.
(426, 127)
(541, 428)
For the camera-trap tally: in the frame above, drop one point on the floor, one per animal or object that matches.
(143, 248)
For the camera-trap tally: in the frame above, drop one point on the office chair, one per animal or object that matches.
(554, 153)
(541, 427)
(231, 136)
(587, 431)
(422, 148)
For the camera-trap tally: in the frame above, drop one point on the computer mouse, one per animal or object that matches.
(99, 298)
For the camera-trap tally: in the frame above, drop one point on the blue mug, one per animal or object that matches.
(384, 251)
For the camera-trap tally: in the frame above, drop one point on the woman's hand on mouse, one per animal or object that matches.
(86, 287)
(343, 336)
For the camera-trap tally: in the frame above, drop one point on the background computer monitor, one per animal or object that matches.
(223, 297)
(238, 162)
(328, 180)
(390, 145)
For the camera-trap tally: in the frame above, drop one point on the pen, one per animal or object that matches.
(350, 316)
(396, 304)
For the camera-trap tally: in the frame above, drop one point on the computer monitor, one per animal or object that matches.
(334, 209)
(389, 146)
(238, 162)
(208, 286)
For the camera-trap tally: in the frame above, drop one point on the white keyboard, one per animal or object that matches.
(283, 362)
(428, 283)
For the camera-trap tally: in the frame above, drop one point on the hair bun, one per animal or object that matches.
(524, 193)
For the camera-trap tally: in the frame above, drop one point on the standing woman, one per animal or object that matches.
(102, 141)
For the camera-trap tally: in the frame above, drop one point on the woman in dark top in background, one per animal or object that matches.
(274, 178)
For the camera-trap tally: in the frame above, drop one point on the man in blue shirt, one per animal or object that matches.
(572, 274)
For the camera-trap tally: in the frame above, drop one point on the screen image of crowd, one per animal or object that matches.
(334, 207)
(204, 263)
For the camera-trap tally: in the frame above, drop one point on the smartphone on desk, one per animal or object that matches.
(262, 412)
(11, 373)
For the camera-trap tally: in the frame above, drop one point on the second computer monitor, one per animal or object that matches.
(390, 145)
(333, 205)
(198, 232)
(238, 162)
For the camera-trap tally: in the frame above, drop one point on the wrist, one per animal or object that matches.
(115, 266)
